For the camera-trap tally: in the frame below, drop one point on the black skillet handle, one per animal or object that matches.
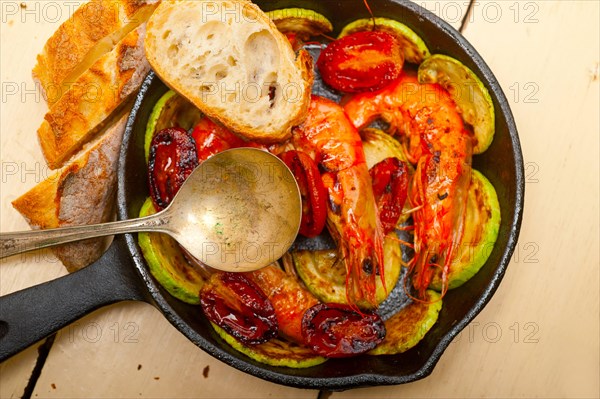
(32, 314)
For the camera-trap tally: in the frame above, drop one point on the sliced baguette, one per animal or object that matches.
(228, 58)
(97, 94)
(93, 30)
(82, 192)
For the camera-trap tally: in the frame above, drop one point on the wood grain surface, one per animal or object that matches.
(538, 337)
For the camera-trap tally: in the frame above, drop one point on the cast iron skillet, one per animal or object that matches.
(121, 274)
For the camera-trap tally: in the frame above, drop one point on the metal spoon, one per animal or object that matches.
(239, 210)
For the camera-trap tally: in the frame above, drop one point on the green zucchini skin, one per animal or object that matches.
(325, 276)
(482, 224)
(407, 327)
(167, 263)
(276, 352)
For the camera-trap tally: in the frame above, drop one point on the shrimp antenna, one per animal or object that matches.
(370, 12)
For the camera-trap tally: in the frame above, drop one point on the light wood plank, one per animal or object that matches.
(23, 32)
(539, 335)
(558, 295)
(130, 350)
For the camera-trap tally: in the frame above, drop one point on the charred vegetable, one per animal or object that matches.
(234, 303)
(172, 159)
(324, 273)
(336, 330)
(212, 138)
(407, 327)
(302, 23)
(276, 352)
(314, 194)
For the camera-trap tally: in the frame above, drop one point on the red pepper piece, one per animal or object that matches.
(338, 330)
(390, 186)
(172, 159)
(361, 61)
(237, 305)
(314, 194)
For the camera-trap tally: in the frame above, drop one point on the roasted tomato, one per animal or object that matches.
(237, 305)
(361, 61)
(212, 138)
(338, 330)
(314, 194)
(390, 186)
(172, 159)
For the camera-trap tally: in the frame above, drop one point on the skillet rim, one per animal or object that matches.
(362, 379)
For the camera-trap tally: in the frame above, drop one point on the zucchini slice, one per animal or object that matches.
(170, 110)
(415, 49)
(482, 223)
(378, 145)
(304, 23)
(325, 276)
(275, 352)
(167, 263)
(407, 327)
(469, 93)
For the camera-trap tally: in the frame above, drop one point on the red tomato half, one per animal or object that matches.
(172, 159)
(212, 138)
(361, 61)
(338, 330)
(236, 304)
(314, 194)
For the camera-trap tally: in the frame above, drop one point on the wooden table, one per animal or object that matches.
(538, 337)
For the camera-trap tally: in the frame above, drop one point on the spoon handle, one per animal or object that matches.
(19, 242)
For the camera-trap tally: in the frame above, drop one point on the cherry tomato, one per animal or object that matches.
(314, 194)
(212, 138)
(361, 61)
(172, 159)
(338, 330)
(236, 304)
(390, 186)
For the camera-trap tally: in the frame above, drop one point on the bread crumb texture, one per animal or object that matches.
(229, 59)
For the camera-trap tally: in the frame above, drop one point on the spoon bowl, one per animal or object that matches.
(239, 211)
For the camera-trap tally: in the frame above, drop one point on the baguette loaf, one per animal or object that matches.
(229, 59)
(97, 93)
(83, 192)
(89, 33)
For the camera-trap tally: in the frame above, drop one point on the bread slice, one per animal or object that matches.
(228, 58)
(97, 94)
(82, 192)
(93, 30)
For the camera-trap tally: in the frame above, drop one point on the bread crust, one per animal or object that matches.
(97, 94)
(82, 192)
(258, 122)
(75, 40)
